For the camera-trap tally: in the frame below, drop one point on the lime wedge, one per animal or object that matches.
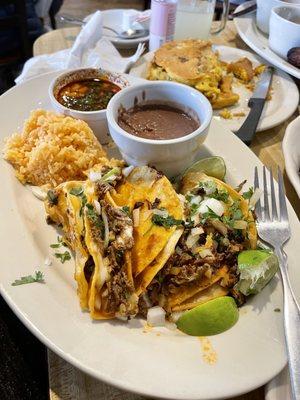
(257, 268)
(212, 166)
(210, 318)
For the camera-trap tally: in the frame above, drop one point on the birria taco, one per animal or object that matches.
(158, 221)
(100, 234)
(122, 231)
(203, 266)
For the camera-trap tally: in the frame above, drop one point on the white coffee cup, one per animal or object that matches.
(284, 29)
(264, 8)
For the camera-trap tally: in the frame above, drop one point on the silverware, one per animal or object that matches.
(245, 11)
(133, 59)
(129, 34)
(275, 230)
(256, 104)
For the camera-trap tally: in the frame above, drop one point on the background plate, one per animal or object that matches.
(285, 94)
(113, 19)
(159, 362)
(259, 42)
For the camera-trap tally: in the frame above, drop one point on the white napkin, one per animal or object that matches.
(89, 50)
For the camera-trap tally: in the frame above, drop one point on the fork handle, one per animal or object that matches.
(291, 326)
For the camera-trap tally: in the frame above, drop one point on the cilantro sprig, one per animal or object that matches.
(63, 257)
(166, 222)
(24, 280)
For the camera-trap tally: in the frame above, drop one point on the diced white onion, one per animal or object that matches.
(171, 325)
(210, 187)
(121, 318)
(136, 217)
(255, 197)
(197, 231)
(181, 198)
(48, 261)
(176, 315)
(215, 205)
(191, 240)
(127, 170)
(94, 176)
(195, 218)
(205, 253)
(39, 193)
(161, 213)
(240, 224)
(106, 228)
(146, 300)
(97, 207)
(156, 316)
(103, 274)
(196, 200)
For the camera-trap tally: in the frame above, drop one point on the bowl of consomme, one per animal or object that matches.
(84, 94)
(161, 124)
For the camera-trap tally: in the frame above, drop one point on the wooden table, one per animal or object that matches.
(67, 382)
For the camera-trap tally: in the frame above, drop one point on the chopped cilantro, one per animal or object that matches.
(59, 244)
(126, 210)
(38, 277)
(95, 218)
(247, 195)
(77, 191)
(55, 245)
(235, 212)
(167, 222)
(194, 208)
(52, 197)
(210, 214)
(221, 195)
(63, 256)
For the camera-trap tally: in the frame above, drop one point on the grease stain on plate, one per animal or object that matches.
(209, 355)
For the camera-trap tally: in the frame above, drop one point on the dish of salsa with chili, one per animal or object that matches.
(87, 94)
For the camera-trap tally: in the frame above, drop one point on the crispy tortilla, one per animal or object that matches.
(192, 180)
(145, 185)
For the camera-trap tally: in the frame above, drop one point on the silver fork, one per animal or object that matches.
(273, 228)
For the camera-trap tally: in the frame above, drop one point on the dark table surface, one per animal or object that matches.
(23, 360)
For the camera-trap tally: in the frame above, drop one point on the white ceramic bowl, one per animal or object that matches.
(291, 152)
(169, 156)
(95, 119)
(284, 33)
(264, 8)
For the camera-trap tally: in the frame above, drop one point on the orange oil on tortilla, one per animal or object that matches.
(209, 355)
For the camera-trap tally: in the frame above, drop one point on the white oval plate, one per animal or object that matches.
(113, 18)
(285, 94)
(259, 41)
(159, 362)
(291, 152)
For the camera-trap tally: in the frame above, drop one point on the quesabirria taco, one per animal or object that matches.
(219, 225)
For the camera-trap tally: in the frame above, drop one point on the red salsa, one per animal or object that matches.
(87, 94)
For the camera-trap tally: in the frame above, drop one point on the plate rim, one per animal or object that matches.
(74, 361)
(279, 62)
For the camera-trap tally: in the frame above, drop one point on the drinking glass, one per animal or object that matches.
(194, 18)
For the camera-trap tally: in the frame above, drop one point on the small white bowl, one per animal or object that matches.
(95, 119)
(264, 8)
(169, 156)
(291, 152)
(284, 33)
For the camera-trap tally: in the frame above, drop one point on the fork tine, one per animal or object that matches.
(256, 186)
(266, 202)
(282, 199)
(273, 199)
